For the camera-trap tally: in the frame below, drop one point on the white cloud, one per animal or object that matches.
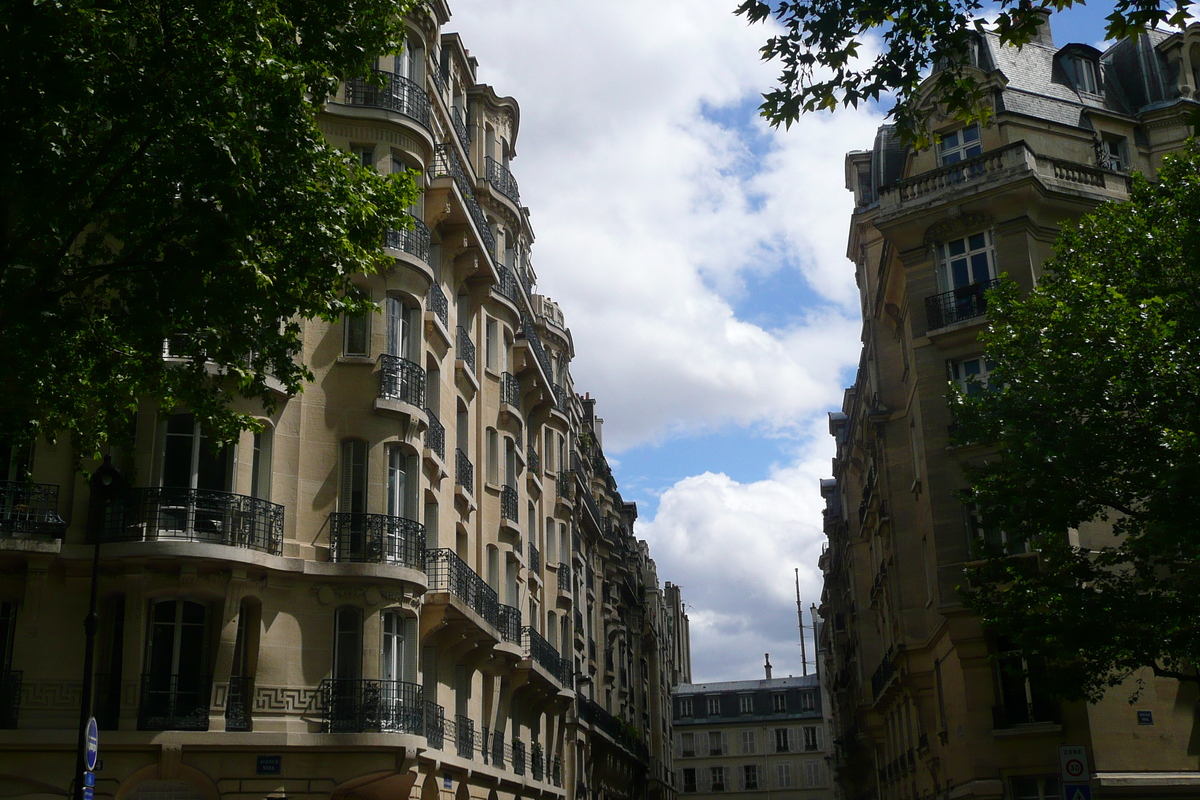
(658, 197)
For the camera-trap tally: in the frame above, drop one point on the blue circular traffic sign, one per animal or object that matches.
(92, 748)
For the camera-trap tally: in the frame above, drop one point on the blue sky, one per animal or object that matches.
(699, 259)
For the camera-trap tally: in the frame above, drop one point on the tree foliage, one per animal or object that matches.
(1097, 431)
(164, 179)
(825, 50)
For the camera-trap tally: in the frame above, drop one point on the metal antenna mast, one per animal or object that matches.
(800, 618)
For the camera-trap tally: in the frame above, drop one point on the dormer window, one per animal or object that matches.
(1084, 74)
(960, 145)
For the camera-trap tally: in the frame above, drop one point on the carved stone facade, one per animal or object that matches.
(419, 581)
(923, 707)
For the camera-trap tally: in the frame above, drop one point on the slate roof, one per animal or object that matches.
(775, 684)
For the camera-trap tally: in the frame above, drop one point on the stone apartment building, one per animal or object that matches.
(765, 737)
(923, 707)
(419, 580)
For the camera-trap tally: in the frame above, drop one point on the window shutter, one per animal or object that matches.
(703, 779)
(725, 744)
(353, 495)
(793, 738)
(820, 745)
(411, 639)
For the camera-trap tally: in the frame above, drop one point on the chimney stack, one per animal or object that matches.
(767, 656)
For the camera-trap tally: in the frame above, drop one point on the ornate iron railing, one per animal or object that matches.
(435, 435)
(561, 399)
(446, 164)
(401, 379)
(30, 509)
(370, 706)
(460, 128)
(398, 94)
(436, 302)
(508, 284)
(197, 515)
(509, 623)
(449, 573)
(464, 348)
(518, 756)
(564, 577)
(535, 461)
(543, 653)
(597, 717)
(376, 539)
(510, 389)
(563, 483)
(536, 761)
(498, 748)
(435, 725)
(10, 697)
(535, 559)
(500, 177)
(174, 702)
(464, 471)
(556, 771)
(535, 344)
(956, 305)
(439, 80)
(239, 703)
(464, 736)
(509, 504)
(414, 240)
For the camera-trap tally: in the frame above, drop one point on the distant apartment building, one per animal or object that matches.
(765, 738)
(925, 704)
(419, 580)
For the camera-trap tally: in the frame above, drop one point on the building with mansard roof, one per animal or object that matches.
(926, 703)
(418, 581)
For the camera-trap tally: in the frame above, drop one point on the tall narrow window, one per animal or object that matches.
(260, 466)
(398, 483)
(354, 477)
(401, 325)
(240, 701)
(493, 457)
(176, 684)
(431, 525)
(189, 458)
(109, 665)
(356, 335)
(347, 644)
(391, 667)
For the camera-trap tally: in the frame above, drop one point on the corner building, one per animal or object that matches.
(419, 581)
(923, 704)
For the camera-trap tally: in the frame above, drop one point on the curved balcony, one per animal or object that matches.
(196, 515)
(401, 379)
(502, 180)
(362, 706)
(446, 165)
(397, 94)
(376, 539)
(414, 240)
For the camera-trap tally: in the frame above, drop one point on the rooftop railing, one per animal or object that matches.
(371, 706)
(399, 94)
(401, 379)
(958, 305)
(376, 539)
(449, 573)
(500, 177)
(414, 240)
(30, 509)
(196, 515)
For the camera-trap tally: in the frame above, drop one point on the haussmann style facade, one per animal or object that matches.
(419, 581)
(923, 706)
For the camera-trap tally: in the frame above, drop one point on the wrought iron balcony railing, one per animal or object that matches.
(541, 652)
(556, 771)
(436, 302)
(597, 717)
(561, 399)
(508, 284)
(446, 164)
(509, 623)
(510, 389)
(497, 747)
(398, 94)
(509, 504)
(460, 128)
(518, 757)
(435, 725)
(197, 515)
(464, 736)
(535, 559)
(239, 703)
(370, 706)
(376, 539)
(10, 697)
(414, 240)
(464, 471)
(563, 484)
(564, 577)
(464, 348)
(401, 379)
(449, 573)
(957, 305)
(174, 702)
(535, 461)
(435, 435)
(536, 762)
(30, 509)
(502, 179)
(535, 344)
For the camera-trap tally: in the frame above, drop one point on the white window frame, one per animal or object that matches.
(960, 145)
(749, 742)
(713, 706)
(973, 375)
(746, 703)
(947, 260)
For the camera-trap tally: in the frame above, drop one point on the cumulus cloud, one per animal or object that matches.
(658, 198)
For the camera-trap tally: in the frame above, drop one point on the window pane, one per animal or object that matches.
(977, 241)
(957, 247)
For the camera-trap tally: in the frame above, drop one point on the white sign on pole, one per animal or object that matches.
(1072, 760)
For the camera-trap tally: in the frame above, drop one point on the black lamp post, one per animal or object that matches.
(106, 485)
